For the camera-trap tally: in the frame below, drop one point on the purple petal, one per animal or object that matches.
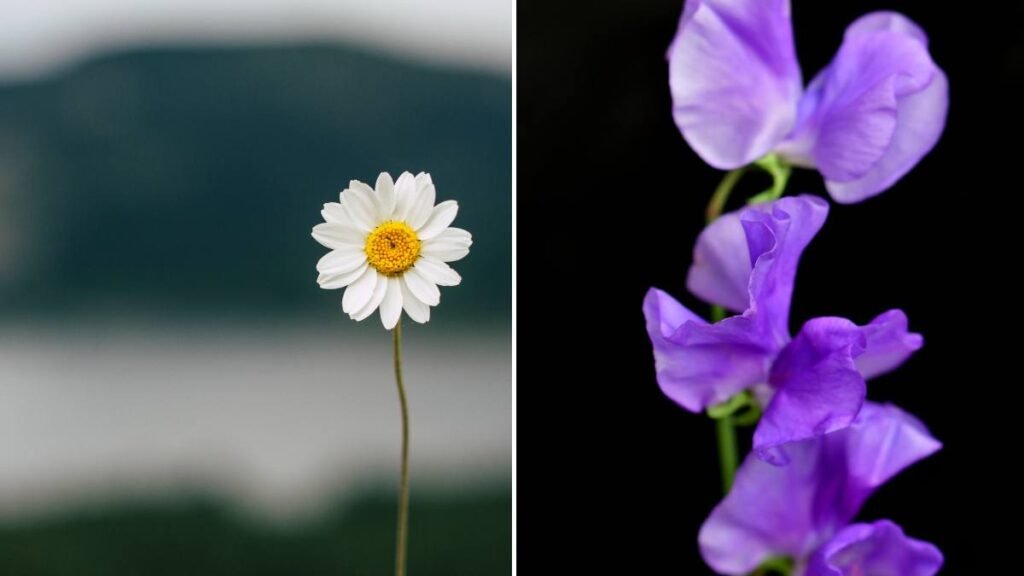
(777, 234)
(721, 268)
(881, 443)
(873, 112)
(882, 21)
(699, 364)
(734, 78)
(768, 512)
(880, 549)
(889, 344)
(818, 386)
(921, 117)
(792, 510)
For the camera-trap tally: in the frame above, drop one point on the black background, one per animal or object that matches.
(612, 476)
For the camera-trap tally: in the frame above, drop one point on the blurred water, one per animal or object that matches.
(277, 420)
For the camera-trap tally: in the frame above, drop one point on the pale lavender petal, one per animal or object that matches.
(818, 387)
(734, 78)
(884, 20)
(699, 364)
(878, 549)
(792, 510)
(921, 118)
(777, 234)
(889, 344)
(873, 112)
(720, 273)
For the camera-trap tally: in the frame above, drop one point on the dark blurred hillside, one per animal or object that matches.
(184, 182)
(451, 534)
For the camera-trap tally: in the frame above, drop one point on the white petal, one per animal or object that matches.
(378, 296)
(332, 212)
(333, 235)
(391, 306)
(421, 207)
(359, 292)
(438, 272)
(450, 245)
(440, 217)
(335, 281)
(446, 253)
(456, 236)
(423, 289)
(342, 260)
(405, 192)
(423, 179)
(385, 196)
(416, 309)
(358, 202)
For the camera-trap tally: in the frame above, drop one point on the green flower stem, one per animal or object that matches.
(721, 195)
(403, 494)
(779, 172)
(725, 414)
(728, 454)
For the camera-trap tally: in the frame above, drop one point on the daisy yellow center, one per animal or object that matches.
(392, 247)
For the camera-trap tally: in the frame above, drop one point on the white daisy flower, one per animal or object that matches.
(389, 247)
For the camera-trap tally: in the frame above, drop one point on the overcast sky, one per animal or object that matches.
(39, 35)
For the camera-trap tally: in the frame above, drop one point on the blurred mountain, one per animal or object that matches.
(184, 182)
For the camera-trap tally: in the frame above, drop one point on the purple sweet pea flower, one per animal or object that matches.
(863, 122)
(803, 510)
(811, 384)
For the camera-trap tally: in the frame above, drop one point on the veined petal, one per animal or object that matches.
(424, 289)
(818, 387)
(386, 197)
(734, 78)
(405, 196)
(334, 281)
(921, 118)
(440, 217)
(874, 111)
(391, 305)
(416, 309)
(699, 364)
(334, 235)
(359, 292)
(889, 344)
(438, 272)
(852, 138)
(879, 548)
(341, 261)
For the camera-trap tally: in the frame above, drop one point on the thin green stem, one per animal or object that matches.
(721, 195)
(779, 172)
(779, 565)
(403, 494)
(727, 451)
